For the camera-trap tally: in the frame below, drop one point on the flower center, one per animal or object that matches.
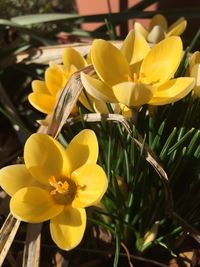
(135, 78)
(60, 187)
(64, 190)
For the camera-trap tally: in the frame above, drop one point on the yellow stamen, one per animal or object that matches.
(60, 187)
(135, 77)
(129, 78)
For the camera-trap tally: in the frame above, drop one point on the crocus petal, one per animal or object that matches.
(67, 229)
(71, 57)
(45, 157)
(55, 80)
(159, 66)
(43, 102)
(34, 205)
(91, 183)
(156, 34)
(15, 177)
(151, 234)
(135, 47)
(141, 29)
(101, 107)
(177, 28)
(195, 59)
(82, 149)
(46, 121)
(87, 102)
(88, 58)
(159, 20)
(98, 106)
(132, 94)
(172, 91)
(109, 63)
(135, 68)
(195, 72)
(126, 112)
(39, 87)
(97, 88)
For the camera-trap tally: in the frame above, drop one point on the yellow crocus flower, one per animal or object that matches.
(44, 95)
(194, 70)
(137, 75)
(158, 28)
(56, 184)
(151, 234)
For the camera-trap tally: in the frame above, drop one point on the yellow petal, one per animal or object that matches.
(177, 28)
(88, 58)
(156, 34)
(135, 47)
(98, 105)
(67, 229)
(195, 72)
(46, 121)
(34, 205)
(109, 63)
(45, 157)
(132, 94)
(152, 233)
(15, 177)
(135, 68)
(141, 29)
(126, 112)
(159, 65)
(82, 149)
(84, 101)
(55, 80)
(39, 87)
(158, 20)
(97, 88)
(172, 91)
(101, 107)
(71, 57)
(42, 102)
(91, 183)
(195, 59)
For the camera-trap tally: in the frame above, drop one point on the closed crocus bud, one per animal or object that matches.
(156, 34)
(158, 28)
(121, 184)
(151, 234)
(194, 71)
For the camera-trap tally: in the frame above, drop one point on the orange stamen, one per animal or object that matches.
(60, 187)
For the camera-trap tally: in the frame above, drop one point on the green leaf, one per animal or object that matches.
(41, 18)
(180, 142)
(192, 145)
(167, 144)
(117, 248)
(6, 22)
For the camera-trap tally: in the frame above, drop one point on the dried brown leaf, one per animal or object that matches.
(66, 101)
(45, 54)
(31, 255)
(7, 235)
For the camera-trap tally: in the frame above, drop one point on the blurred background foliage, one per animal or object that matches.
(13, 8)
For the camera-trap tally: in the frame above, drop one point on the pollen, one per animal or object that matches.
(135, 78)
(60, 187)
